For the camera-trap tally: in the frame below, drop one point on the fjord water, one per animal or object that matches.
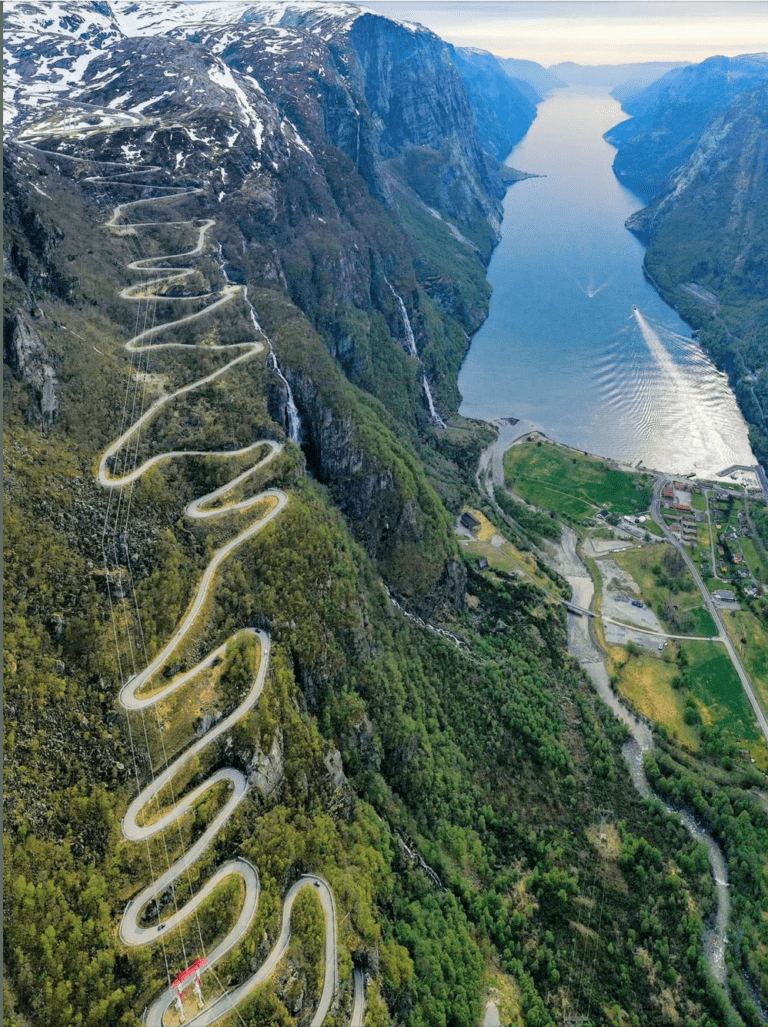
(563, 347)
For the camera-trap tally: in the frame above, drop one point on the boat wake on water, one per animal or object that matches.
(675, 409)
(591, 289)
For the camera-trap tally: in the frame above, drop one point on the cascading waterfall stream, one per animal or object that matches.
(431, 403)
(294, 426)
(270, 503)
(409, 336)
(411, 341)
(291, 410)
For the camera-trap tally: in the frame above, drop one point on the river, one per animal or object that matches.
(564, 557)
(577, 342)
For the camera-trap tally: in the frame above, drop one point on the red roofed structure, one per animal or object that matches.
(196, 967)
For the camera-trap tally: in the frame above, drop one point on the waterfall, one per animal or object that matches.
(434, 417)
(409, 338)
(458, 642)
(295, 430)
(433, 414)
(294, 421)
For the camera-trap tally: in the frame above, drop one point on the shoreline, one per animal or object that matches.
(501, 423)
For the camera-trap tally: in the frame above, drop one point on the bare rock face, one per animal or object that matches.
(26, 354)
(360, 739)
(268, 769)
(335, 768)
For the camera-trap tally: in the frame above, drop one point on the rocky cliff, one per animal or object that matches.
(25, 352)
(422, 742)
(503, 109)
(343, 155)
(669, 117)
(705, 228)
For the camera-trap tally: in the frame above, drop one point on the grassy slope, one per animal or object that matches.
(494, 762)
(573, 484)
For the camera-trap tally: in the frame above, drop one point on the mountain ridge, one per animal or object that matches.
(424, 745)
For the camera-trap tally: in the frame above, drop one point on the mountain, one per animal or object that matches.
(669, 117)
(698, 139)
(539, 78)
(279, 138)
(503, 111)
(623, 77)
(248, 665)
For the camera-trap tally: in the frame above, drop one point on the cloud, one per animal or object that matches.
(591, 32)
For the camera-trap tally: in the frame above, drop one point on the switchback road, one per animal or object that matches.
(269, 503)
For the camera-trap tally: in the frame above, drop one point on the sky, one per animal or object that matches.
(593, 31)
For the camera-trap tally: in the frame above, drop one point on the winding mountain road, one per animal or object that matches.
(131, 697)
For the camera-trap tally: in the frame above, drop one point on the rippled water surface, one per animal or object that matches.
(564, 346)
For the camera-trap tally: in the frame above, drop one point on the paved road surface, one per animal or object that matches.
(131, 933)
(358, 1006)
(723, 634)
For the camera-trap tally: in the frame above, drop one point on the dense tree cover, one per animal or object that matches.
(479, 774)
(740, 824)
(534, 523)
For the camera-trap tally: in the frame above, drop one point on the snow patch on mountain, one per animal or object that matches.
(151, 19)
(222, 76)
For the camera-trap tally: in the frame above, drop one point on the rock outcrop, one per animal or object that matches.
(27, 355)
(267, 769)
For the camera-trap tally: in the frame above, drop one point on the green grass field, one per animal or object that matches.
(753, 559)
(507, 558)
(750, 637)
(572, 484)
(653, 528)
(703, 623)
(646, 682)
(722, 703)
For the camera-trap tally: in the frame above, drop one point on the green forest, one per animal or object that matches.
(424, 742)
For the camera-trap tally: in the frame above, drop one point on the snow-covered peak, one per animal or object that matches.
(174, 17)
(310, 15)
(47, 48)
(153, 18)
(220, 74)
(90, 23)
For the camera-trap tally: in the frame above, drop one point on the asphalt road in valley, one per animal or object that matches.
(723, 634)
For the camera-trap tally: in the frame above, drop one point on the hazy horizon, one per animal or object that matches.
(589, 31)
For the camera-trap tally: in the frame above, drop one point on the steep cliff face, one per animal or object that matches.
(669, 117)
(417, 98)
(503, 109)
(537, 77)
(352, 446)
(342, 154)
(25, 352)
